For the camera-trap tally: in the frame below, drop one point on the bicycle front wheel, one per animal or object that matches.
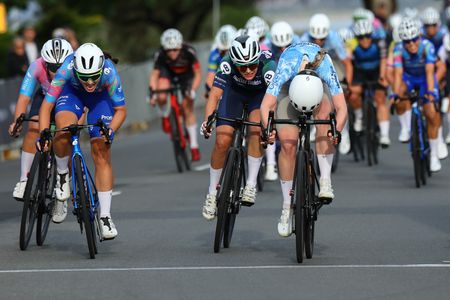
(299, 210)
(177, 151)
(85, 205)
(30, 200)
(415, 149)
(309, 207)
(237, 182)
(47, 201)
(224, 196)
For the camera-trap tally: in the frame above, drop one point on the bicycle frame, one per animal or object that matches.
(416, 109)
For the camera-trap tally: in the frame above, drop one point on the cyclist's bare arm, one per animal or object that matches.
(210, 79)
(153, 81)
(44, 114)
(197, 79)
(429, 71)
(398, 73)
(383, 67)
(348, 68)
(213, 100)
(120, 114)
(21, 107)
(269, 103)
(341, 110)
(441, 70)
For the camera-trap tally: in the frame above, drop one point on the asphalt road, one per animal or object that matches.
(380, 239)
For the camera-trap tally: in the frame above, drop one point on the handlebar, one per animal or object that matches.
(75, 128)
(214, 117)
(18, 123)
(412, 96)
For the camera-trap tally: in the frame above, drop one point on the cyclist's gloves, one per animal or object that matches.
(204, 131)
(44, 139)
(336, 138)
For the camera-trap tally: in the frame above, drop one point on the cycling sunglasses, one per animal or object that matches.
(251, 67)
(52, 67)
(430, 25)
(406, 42)
(86, 77)
(364, 36)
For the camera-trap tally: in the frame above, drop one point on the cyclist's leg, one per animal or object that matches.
(288, 136)
(355, 99)
(382, 109)
(68, 110)
(324, 147)
(163, 83)
(403, 109)
(189, 115)
(28, 146)
(100, 108)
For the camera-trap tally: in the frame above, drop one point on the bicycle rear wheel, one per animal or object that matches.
(224, 196)
(178, 152)
(299, 211)
(30, 200)
(85, 205)
(47, 202)
(369, 120)
(261, 174)
(415, 149)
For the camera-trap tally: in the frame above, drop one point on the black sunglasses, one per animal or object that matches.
(430, 25)
(86, 77)
(52, 67)
(364, 36)
(406, 42)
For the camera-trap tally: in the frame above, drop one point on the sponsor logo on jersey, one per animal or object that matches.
(108, 118)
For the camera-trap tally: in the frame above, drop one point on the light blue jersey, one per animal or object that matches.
(289, 66)
(333, 44)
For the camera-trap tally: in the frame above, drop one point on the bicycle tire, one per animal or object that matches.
(185, 156)
(176, 141)
(309, 210)
(223, 199)
(299, 198)
(85, 205)
(47, 202)
(230, 219)
(425, 157)
(30, 200)
(368, 124)
(334, 165)
(415, 149)
(261, 174)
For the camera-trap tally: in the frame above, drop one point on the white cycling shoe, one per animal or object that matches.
(344, 146)
(62, 188)
(326, 193)
(403, 137)
(271, 173)
(442, 150)
(435, 164)
(385, 141)
(285, 223)
(209, 209)
(358, 125)
(108, 228)
(19, 190)
(59, 211)
(249, 195)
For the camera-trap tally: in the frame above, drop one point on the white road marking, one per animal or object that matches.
(115, 193)
(209, 268)
(202, 167)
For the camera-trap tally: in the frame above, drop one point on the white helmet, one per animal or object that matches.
(171, 39)
(245, 50)
(345, 34)
(447, 42)
(394, 20)
(258, 25)
(408, 29)
(430, 16)
(410, 12)
(55, 51)
(281, 34)
(362, 27)
(362, 14)
(319, 26)
(306, 91)
(225, 36)
(88, 59)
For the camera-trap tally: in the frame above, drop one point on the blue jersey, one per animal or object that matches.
(276, 51)
(438, 39)
(333, 44)
(109, 81)
(370, 58)
(289, 66)
(414, 64)
(214, 60)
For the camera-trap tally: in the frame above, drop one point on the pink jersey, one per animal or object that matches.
(36, 73)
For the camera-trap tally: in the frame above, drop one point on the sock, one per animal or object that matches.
(26, 160)
(434, 147)
(214, 177)
(384, 128)
(407, 115)
(286, 187)
(440, 136)
(358, 113)
(270, 154)
(104, 198)
(62, 164)
(401, 119)
(253, 168)
(345, 129)
(325, 163)
(192, 130)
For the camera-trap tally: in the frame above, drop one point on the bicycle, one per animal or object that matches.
(233, 179)
(304, 201)
(84, 192)
(418, 143)
(372, 130)
(39, 195)
(179, 135)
